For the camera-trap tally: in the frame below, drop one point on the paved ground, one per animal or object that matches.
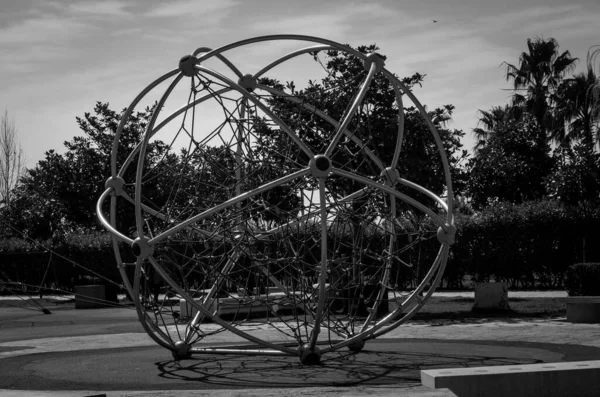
(42, 355)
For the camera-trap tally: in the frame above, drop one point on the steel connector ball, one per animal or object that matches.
(356, 345)
(320, 166)
(248, 82)
(141, 248)
(309, 356)
(181, 351)
(187, 65)
(116, 183)
(376, 59)
(447, 236)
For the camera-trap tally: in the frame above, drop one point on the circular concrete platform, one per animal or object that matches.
(383, 362)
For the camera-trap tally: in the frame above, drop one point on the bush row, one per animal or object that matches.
(527, 245)
(583, 279)
(83, 259)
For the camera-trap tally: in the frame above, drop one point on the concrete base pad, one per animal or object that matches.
(383, 362)
(579, 378)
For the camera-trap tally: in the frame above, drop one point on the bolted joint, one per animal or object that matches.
(187, 65)
(374, 57)
(390, 176)
(320, 166)
(447, 236)
(248, 82)
(115, 183)
(141, 249)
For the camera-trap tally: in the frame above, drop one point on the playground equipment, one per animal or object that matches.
(274, 213)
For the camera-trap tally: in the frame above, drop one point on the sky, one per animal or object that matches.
(58, 58)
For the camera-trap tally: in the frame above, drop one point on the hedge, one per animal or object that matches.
(583, 279)
(526, 245)
(62, 264)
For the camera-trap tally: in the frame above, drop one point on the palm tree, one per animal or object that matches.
(593, 54)
(577, 112)
(538, 75)
(490, 120)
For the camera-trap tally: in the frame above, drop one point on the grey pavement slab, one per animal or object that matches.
(391, 362)
(382, 391)
(107, 346)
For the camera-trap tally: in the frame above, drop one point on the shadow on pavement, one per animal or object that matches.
(337, 369)
(383, 362)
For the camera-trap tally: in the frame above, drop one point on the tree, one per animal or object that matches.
(12, 161)
(577, 110)
(58, 196)
(490, 120)
(576, 174)
(592, 58)
(512, 166)
(375, 123)
(575, 177)
(61, 191)
(537, 76)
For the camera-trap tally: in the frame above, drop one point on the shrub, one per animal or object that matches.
(63, 263)
(526, 245)
(583, 279)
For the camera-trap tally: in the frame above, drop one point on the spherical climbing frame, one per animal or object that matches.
(284, 222)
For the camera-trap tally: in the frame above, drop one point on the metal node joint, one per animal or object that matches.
(309, 356)
(320, 166)
(187, 65)
(374, 57)
(115, 183)
(141, 249)
(390, 176)
(447, 236)
(357, 345)
(248, 82)
(181, 351)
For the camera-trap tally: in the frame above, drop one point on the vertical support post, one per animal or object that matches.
(239, 149)
(209, 300)
(323, 275)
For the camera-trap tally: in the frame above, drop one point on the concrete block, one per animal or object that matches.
(582, 309)
(187, 310)
(228, 306)
(581, 379)
(92, 297)
(491, 297)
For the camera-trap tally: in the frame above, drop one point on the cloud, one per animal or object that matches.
(41, 29)
(523, 17)
(572, 24)
(201, 10)
(345, 24)
(99, 8)
(73, 53)
(34, 58)
(329, 26)
(456, 58)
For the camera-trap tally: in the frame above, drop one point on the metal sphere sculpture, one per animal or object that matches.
(276, 214)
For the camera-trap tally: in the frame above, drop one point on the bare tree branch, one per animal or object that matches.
(12, 160)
